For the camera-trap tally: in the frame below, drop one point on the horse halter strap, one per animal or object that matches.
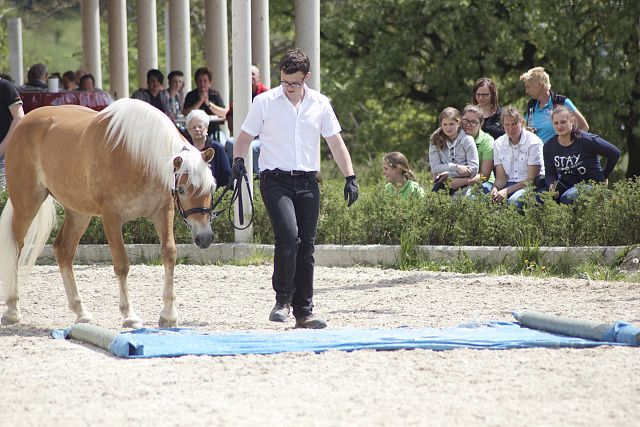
(184, 214)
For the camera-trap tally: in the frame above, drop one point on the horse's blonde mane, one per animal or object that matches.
(151, 138)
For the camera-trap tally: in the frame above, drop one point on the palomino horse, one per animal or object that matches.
(119, 164)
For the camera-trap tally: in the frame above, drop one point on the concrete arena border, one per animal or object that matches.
(340, 255)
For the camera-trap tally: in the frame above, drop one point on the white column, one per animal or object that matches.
(308, 36)
(260, 50)
(118, 60)
(15, 50)
(91, 58)
(180, 33)
(216, 46)
(167, 43)
(147, 39)
(241, 63)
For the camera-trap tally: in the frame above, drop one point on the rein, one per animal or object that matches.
(236, 184)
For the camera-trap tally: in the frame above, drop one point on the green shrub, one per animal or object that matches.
(600, 216)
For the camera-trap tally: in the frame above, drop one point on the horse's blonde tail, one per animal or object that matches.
(34, 241)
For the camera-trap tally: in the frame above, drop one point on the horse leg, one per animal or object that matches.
(113, 230)
(164, 227)
(64, 247)
(25, 226)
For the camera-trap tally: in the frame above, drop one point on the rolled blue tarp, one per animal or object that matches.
(618, 332)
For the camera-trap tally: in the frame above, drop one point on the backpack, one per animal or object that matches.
(555, 100)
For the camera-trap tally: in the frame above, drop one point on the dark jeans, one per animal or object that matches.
(293, 206)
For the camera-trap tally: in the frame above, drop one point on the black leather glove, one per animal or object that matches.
(237, 169)
(351, 190)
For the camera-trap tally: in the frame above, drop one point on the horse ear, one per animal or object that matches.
(177, 162)
(207, 155)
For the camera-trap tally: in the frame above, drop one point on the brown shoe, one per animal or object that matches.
(280, 312)
(310, 322)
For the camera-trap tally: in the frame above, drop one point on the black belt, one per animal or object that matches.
(289, 173)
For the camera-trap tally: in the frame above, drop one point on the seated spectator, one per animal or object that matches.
(69, 81)
(573, 156)
(539, 108)
(485, 96)
(517, 156)
(87, 83)
(452, 153)
(154, 94)
(472, 118)
(205, 98)
(256, 89)
(36, 78)
(400, 178)
(79, 74)
(175, 80)
(197, 125)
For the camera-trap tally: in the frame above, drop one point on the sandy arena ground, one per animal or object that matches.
(47, 382)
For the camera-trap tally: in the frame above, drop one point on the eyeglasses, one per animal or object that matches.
(293, 85)
(470, 122)
(482, 95)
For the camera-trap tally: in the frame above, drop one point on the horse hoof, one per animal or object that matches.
(132, 323)
(10, 319)
(164, 323)
(85, 318)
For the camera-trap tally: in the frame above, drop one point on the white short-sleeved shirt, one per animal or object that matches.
(290, 138)
(515, 158)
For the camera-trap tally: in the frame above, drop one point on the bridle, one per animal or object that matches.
(234, 184)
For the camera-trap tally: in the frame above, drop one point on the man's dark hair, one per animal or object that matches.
(88, 77)
(203, 70)
(155, 73)
(37, 72)
(293, 61)
(173, 74)
(6, 77)
(69, 76)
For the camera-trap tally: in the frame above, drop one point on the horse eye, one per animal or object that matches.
(181, 190)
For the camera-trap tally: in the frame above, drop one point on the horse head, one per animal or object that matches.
(193, 193)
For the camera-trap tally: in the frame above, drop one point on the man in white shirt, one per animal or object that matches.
(517, 156)
(289, 120)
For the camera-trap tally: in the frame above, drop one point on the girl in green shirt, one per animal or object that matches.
(401, 179)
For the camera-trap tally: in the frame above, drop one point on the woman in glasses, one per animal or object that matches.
(197, 123)
(472, 120)
(452, 153)
(485, 96)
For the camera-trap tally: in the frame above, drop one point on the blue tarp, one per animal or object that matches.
(143, 343)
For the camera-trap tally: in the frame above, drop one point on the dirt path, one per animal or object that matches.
(63, 383)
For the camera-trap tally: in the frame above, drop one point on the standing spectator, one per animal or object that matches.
(573, 156)
(471, 124)
(452, 153)
(517, 156)
(10, 114)
(485, 96)
(256, 89)
(197, 125)
(400, 179)
(540, 106)
(290, 120)
(175, 80)
(87, 83)
(69, 81)
(36, 78)
(154, 94)
(204, 97)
